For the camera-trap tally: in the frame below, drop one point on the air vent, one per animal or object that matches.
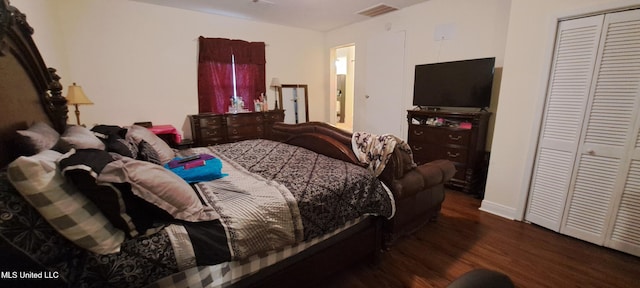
(376, 10)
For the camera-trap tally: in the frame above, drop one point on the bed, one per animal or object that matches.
(149, 237)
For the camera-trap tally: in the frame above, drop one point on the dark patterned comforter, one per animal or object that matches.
(327, 193)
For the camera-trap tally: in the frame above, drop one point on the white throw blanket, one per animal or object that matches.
(375, 151)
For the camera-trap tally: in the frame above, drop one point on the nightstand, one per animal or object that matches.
(168, 133)
(184, 144)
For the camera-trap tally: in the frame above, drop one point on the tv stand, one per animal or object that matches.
(428, 108)
(457, 136)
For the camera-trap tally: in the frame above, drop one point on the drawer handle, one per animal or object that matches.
(453, 155)
(234, 132)
(417, 148)
(418, 133)
(212, 133)
(456, 138)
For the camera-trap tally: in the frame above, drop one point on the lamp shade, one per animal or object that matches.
(275, 82)
(76, 96)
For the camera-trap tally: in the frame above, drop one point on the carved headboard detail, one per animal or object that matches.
(29, 91)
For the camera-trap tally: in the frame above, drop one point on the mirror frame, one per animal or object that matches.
(305, 87)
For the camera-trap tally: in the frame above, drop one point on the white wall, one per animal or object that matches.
(480, 31)
(138, 61)
(47, 34)
(527, 60)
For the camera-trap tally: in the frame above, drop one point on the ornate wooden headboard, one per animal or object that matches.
(29, 91)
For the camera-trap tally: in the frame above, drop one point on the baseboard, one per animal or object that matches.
(498, 209)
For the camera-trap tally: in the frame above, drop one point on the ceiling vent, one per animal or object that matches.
(376, 10)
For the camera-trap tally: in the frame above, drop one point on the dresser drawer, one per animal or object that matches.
(439, 135)
(425, 152)
(275, 116)
(212, 134)
(211, 129)
(244, 119)
(238, 133)
(423, 158)
(214, 121)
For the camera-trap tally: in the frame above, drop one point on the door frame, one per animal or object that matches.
(350, 86)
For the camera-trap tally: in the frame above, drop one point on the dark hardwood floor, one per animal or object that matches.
(465, 238)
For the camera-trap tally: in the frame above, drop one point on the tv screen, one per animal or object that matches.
(465, 83)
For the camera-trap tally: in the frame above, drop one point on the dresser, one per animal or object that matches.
(456, 136)
(211, 129)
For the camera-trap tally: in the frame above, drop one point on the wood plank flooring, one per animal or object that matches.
(465, 238)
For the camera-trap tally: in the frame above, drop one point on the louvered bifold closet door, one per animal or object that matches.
(569, 84)
(609, 136)
(624, 232)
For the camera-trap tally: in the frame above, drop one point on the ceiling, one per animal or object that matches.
(319, 15)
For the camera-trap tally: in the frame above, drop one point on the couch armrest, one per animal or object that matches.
(400, 163)
(418, 195)
(404, 178)
(438, 171)
(421, 178)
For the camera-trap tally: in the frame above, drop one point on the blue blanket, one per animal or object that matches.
(206, 168)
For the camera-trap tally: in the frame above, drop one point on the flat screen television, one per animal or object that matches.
(465, 83)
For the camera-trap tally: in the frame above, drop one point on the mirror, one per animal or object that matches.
(294, 100)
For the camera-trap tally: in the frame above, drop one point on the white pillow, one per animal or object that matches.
(40, 137)
(80, 137)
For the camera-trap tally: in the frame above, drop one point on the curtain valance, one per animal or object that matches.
(220, 49)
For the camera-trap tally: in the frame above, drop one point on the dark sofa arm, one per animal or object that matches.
(400, 173)
(420, 178)
(405, 179)
(418, 191)
(418, 195)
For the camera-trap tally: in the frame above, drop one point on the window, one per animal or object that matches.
(216, 71)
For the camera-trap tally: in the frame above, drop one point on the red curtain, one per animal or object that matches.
(215, 74)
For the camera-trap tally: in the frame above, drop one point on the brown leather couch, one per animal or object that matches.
(418, 192)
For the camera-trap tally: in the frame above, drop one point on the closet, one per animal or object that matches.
(586, 175)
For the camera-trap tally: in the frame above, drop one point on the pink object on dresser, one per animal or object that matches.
(167, 129)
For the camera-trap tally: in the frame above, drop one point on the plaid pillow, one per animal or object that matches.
(67, 210)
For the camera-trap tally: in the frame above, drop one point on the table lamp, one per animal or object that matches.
(75, 96)
(275, 83)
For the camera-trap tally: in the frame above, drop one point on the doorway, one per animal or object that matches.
(342, 97)
(380, 110)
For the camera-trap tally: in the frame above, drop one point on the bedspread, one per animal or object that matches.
(258, 215)
(310, 194)
(328, 192)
